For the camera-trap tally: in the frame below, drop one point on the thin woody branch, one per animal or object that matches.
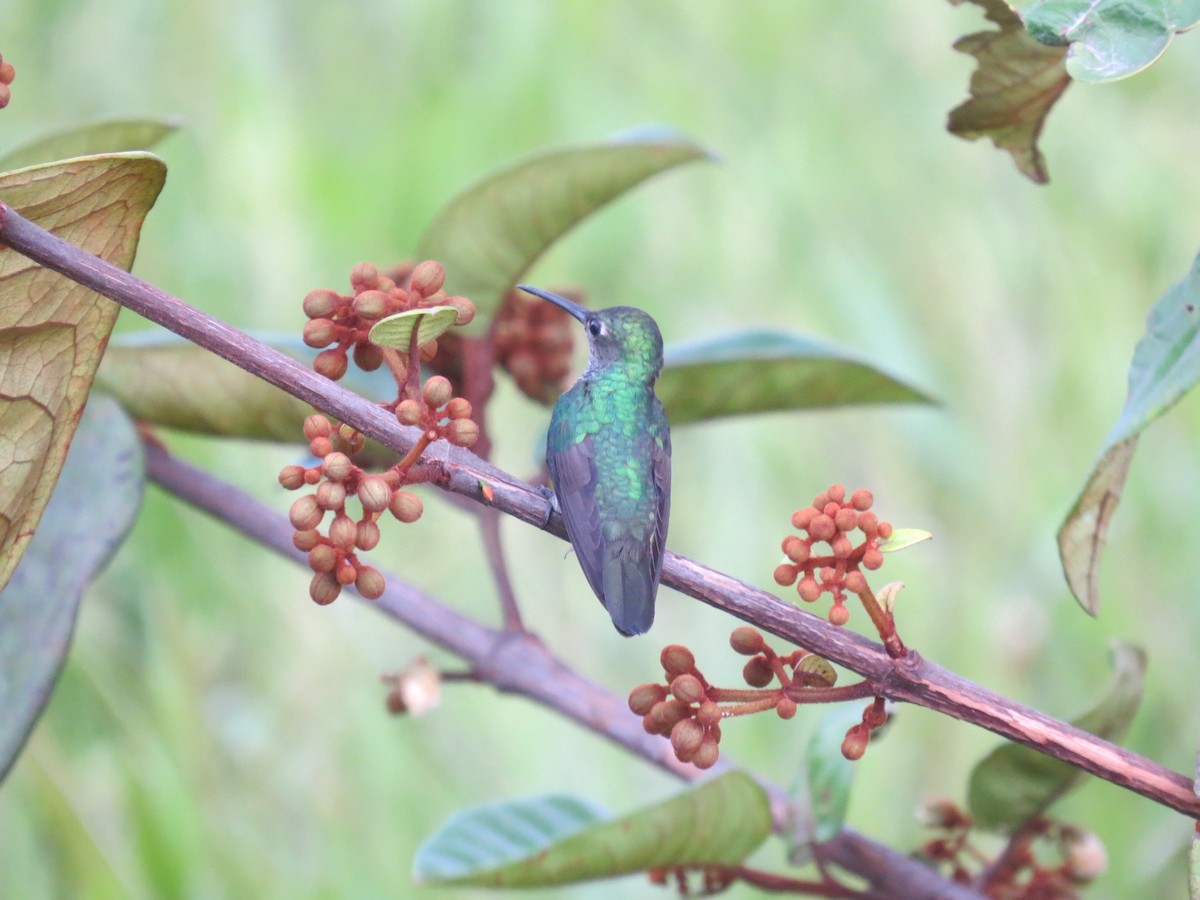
(910, 679)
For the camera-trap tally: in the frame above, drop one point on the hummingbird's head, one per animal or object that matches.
(621, 336)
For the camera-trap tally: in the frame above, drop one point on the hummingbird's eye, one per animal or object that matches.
(595, 327)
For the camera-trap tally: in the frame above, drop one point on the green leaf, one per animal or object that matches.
(903, 538)
(1015, 84)
(396, 331)
(1109, 39)
(89, 514)
(828, 774)
(52, 330)
(768, 371)
(166, 381)
(562, 840)
(488, 235)
(1014, 783)
(1165, 366)
(113, 136)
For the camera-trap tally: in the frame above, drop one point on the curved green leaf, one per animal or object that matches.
(52, 330)
(164, 380)
(395, 331)
(488, 235)
(767, 371)
(562, 840)
(1014, 783)
(1015, 84)
(903, 538)
(1165, 366)
(828, 774)
(92, 508)
(113, 136)
(1109, 39)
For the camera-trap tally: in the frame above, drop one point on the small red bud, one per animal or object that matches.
(346, 574)
(856, 582)
(687, 688)
(707, 753)
(819, 502)
(374, 493)
(643, 697)
(838, 614)
(875, 716)
(322, 558)
(757, 672)
(321, 447)
(845, 519)
(364, 277)
(709, 714)
(676, 659)
(319, 332)
(821, 528)
(292, 477)
(437, 391)
(785, 707)
(368, 356)
(331, 495)
(862, 499)
(872, 559)
(410, 412)
(406, 506)
(855, 743)
(808, 589)
(686, 737)
(462, 432)
(369, 583)
(836, 493)
(321, 303)
(342, 533)
(331, 363)
(466, 309)
(316, 426)
(368, 535)
(427, 278)
(746, 640)
(324, 588)
(841, 546)
(459, 408)
(884, 530)
(371, 305)
(305, 513)
(306, 540)
(801, 517)
(337, 466)
(868, 522)
(785, 574)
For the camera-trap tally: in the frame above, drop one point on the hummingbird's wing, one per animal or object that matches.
(573, 471)
(662, 485)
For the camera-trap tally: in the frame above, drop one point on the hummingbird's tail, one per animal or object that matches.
(630, 582)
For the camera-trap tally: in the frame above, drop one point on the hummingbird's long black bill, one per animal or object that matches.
(579, 312)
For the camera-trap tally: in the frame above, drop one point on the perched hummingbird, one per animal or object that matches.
(609, 454)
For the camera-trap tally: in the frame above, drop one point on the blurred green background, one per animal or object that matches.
(216, 734)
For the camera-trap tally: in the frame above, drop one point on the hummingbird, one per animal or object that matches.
(609, 455)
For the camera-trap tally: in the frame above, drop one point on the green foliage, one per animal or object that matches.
(767, 371)
(488, 235)
(53, 331)
(553, 840)
(91, 510)
(1109, 39)
(396, 331)
(1014, 783)
(112, 136)
(1165, 366)
(828, 775)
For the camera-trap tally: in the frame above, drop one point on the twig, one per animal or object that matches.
(519, 663)
(909, 679)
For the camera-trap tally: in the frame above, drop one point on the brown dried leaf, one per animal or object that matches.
(1016, 83)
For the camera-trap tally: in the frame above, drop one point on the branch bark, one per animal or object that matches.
(909, 679)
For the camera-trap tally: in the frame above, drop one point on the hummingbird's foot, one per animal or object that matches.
(552, 500)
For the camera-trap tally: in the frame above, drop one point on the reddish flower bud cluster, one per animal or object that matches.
(859, 735)
(687, 707)
(533, 341)
(1028, 868)
(7, 74)
(439, 413)
(342, 323)
(831, 520)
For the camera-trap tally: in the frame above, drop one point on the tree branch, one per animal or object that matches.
(910, 679)
(517, 662)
